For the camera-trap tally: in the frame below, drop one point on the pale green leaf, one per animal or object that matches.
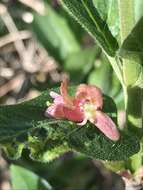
(108, 11)
(81, 62)
(55, 34)
(26, 180)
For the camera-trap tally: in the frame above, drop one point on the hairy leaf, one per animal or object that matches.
(88, 16)
(25, 126)
(108, 11)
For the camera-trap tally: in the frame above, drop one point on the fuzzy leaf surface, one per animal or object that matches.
(25, 126)
(85, 12)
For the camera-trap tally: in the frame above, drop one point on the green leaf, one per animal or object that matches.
(108, 11)
(134, 73)
(132, 46)
(26, 180)
(25, 126)
(78, 176)
(55, 34)
(87, 15)
(132, 52)
(81, 62)
(138, 5)
(101, 73)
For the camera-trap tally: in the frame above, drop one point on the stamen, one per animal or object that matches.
(90, 111)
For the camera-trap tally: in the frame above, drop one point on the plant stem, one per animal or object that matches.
(132, 94)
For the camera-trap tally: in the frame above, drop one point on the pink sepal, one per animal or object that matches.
(104, 123)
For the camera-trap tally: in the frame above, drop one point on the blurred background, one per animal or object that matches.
(40, 44)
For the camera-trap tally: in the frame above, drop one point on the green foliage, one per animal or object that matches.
(25, 126)
(138, 5)
(55, 34)
(88, 16)
(108, 11)
(104, 77)
(78, 171)
(81, 62)
(134, 73)
(115, 165)
(133, 44)
(26, 180)
(132, 49)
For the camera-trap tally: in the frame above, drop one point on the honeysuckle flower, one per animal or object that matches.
(85, 106)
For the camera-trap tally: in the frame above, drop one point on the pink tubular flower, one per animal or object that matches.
(85, 105)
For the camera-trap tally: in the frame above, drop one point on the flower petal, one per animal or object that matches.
(54, 95)
(58, 99)
(73, 114)
(90, 93)
(55, 110)
(105, 124)
(59, 110)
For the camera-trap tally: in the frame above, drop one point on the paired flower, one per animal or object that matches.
(85, 106)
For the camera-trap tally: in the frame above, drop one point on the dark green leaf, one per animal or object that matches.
(25, 126)
(89, 143)
(87, 15)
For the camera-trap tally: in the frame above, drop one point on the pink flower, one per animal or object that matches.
(85, 106)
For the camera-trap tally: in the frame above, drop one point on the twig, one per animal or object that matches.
(12, 84)
(6, 72)
(12, 37)
(36, 5)
(8, 21)
(25, 55)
